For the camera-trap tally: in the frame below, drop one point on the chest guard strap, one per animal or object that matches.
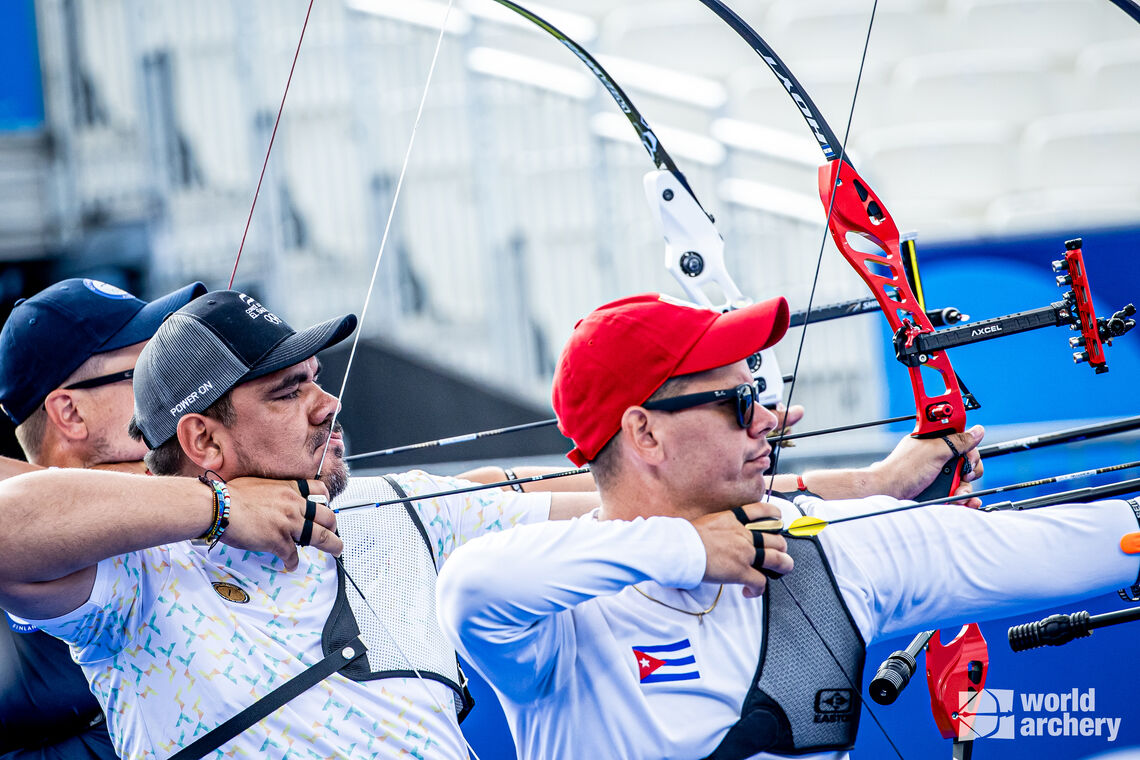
(268, 704)
(404, 571)
(804, 696)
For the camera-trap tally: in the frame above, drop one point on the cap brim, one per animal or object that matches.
(143, 325)
(303, 345)
(736, 335)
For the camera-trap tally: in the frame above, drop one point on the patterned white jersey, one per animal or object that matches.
(175, 640)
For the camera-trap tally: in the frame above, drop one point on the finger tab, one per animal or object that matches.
(306, 533)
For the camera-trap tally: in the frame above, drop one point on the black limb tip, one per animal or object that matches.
(1053, 631)
(893, 676)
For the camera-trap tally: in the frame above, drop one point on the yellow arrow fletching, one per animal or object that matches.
(802, 527)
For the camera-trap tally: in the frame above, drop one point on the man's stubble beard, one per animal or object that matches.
(334, 474)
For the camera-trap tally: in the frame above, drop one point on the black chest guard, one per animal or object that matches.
(805, 695)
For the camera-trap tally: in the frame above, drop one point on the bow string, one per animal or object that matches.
(367, 300)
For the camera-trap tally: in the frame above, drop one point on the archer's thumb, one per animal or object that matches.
(969, 440)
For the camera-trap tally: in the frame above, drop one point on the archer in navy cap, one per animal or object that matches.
(48, 336)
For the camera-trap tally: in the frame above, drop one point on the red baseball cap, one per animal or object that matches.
(619, 355)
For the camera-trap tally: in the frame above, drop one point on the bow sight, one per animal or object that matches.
(914, 346)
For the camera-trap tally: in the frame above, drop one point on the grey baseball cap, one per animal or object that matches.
(215, 342)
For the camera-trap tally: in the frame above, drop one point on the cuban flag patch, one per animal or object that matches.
(666, 662)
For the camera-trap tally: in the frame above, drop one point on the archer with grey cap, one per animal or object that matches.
(244, 634)
(220, 340)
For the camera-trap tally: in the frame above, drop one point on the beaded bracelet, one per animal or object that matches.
(221, 511)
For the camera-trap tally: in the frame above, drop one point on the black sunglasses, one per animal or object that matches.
(95, 382)
(745, 395)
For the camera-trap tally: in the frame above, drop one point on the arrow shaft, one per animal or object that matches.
(467, 489)
(1071, 435)
(465, 438)
(1056, 498)
(1042, 481)
(1091, 493)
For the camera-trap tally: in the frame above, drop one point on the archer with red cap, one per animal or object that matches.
(623, 633)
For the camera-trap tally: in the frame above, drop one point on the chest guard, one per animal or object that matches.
(804, 697)
(389, 555)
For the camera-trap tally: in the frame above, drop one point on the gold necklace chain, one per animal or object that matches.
(698, 615)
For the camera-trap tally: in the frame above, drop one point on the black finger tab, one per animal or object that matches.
(310, 510)
(758, 541)
(741, 515)
(306, 534)
(303, 487)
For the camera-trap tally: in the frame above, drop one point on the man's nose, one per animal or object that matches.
(324, 407)
(763, 421)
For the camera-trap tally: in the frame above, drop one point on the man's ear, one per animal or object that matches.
(640, 436)
(65, 416)
(198, 435)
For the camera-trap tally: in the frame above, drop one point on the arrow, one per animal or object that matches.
(812, 526)
(465, 438)
(1081, 433)
(467, 489)
(1091, 493)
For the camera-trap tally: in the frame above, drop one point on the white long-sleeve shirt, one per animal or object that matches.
(546, 613)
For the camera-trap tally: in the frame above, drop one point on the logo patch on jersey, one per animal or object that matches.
(230, 592)
(20, 627)
(666, 662)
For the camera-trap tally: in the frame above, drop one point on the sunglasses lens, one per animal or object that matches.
(745, 404)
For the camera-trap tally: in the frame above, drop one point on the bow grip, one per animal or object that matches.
(948, 480)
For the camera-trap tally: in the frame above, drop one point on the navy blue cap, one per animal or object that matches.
(49, 335)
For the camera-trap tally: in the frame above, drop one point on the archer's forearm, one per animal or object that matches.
(831, 484)
(60, 521)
